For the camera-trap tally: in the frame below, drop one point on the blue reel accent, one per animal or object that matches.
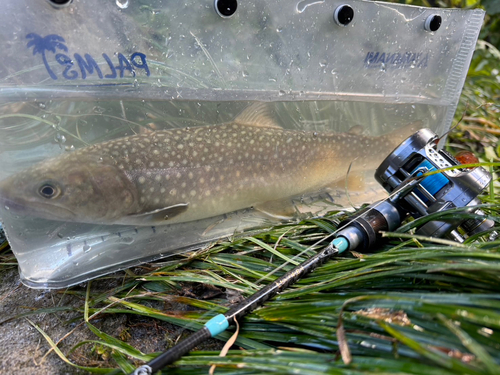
(432, 184)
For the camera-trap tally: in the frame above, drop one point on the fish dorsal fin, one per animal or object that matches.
(160, 215)
(257, 114)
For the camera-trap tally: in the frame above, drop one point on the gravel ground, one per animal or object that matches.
(23, 347)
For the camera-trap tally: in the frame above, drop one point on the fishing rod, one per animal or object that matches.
(419, 183)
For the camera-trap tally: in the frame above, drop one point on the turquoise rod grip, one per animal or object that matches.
(341, 244)
(217, 324)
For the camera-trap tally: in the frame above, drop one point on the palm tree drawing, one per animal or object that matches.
(43, 44)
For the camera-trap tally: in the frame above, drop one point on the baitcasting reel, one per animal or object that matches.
(413, 195)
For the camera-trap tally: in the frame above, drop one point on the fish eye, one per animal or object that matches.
(48, 190)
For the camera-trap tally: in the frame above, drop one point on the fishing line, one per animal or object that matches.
(343, 225)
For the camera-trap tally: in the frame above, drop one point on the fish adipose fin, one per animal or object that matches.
(257, 114)
(160, 215)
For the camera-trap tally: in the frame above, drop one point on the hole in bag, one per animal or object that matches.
(225, 8)
(60, 3)
(343, 15)
(433, 23)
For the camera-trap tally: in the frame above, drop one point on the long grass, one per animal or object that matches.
(409, 307)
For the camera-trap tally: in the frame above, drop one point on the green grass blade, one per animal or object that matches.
(94, 370)
(472, 345)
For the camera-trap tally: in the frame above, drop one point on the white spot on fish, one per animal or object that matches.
(142, 179)
(192, 193)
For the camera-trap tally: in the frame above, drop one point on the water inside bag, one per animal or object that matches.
(65, 249)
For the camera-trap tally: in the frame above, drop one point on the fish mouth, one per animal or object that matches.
(28, 208)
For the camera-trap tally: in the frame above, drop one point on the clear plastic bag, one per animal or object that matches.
(95, 71)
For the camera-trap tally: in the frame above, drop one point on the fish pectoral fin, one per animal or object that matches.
(257, 114)
(161, 215)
